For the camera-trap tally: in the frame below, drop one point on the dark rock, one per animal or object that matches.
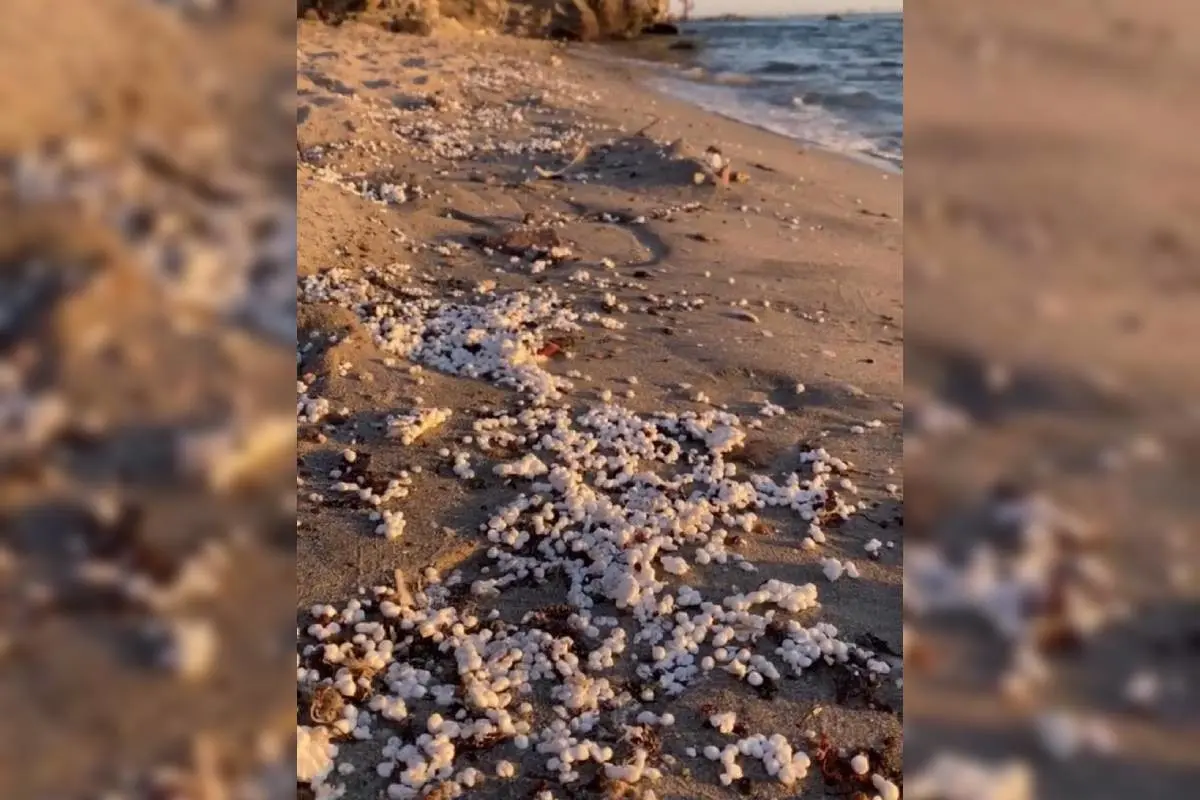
(566, 20)
(661, 29)
(561, 34)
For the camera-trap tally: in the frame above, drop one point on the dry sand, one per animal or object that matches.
(811, 243)
(1051, 273)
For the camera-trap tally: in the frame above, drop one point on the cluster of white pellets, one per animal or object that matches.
(390, 524)
(410, 426)
(778, 758)
(315, 755)
(462, 466)
(310, 409)
(600, 511)
(382, 192)
(789, 597)
(499, 340)
(635, 771)
(619, 505)
(497, 665)
(528, 466)
(804, 647)
(723, 722)
(345, 481)
(493, 670)
(834, 569)
(589, 519)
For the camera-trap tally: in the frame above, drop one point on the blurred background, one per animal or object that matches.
(147, 252)
(1052, 279)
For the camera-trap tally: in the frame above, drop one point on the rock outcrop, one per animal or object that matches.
(579, 20)
(591, 20)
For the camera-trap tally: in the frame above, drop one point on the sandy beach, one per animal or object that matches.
(548, 424)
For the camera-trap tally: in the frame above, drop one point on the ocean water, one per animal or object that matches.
(834, 83)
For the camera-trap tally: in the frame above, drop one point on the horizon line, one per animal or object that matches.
(777, 14)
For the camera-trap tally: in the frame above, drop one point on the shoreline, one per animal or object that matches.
(638, 74)
(620, 292)
(652, 58)
(645, 82)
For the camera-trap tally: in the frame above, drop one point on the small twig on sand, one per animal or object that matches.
(576, 161)
(642, 131)
(404, 598)
(462, 216)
